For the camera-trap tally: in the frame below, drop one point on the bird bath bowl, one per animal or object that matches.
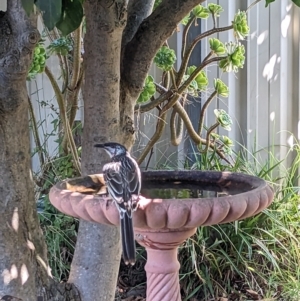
(161, 224)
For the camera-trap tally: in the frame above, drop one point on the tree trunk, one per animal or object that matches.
(21, 242)
(24, 269)
(96, 261)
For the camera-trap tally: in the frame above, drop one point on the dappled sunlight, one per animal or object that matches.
(272, 116)
(289, 7)
(253, 35)
(44, 265)
(15, 220)
(262, 37)
(268, 71)
(30, 175)
(298, 135)
(285, 23)
(9, 275)
(290, 141)
(24, 273)
(30, 245)
(144, 202)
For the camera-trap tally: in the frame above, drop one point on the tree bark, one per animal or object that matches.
(21, 240)
(95, 265)
(24, 269)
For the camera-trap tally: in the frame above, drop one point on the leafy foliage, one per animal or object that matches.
(240, 25)
(217, 46)
(62, 45)
(221, 88)
(165, 58)
(66, 15)
(28, 5)
(71, 17)
(224, 119)
(253, 259)
(60, 230)
(235, 58)
(51, 11)
(200, 12)
(297, 2)
(148, 90)
(215, 9)
(184, 81)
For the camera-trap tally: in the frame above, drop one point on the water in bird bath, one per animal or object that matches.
(188, 189)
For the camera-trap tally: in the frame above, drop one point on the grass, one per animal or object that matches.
(252, 259)
(60, 230)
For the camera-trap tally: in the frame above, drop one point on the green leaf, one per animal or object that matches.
(72, 14)
(27, 5)
(297, 2)
(51, 11)
(268, 2)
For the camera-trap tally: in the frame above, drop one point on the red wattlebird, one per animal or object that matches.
(123, 180)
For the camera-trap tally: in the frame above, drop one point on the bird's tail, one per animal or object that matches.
(128, 242)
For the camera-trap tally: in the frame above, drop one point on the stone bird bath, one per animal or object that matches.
(161, 225)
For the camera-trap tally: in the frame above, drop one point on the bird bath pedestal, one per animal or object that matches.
(161, 225)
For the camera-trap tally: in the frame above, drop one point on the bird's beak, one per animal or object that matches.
(99, 145)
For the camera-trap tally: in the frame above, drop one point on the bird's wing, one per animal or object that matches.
(133, 178)
(123, 180)
(114, 181)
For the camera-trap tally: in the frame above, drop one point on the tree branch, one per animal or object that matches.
(176, 129)
(161, 123)
(184, 35)
(63, 115)
(192, 133)
(203, 110)
(138, 11)
(152, 104)
(150, 36)
(209, 131)
(190, 49)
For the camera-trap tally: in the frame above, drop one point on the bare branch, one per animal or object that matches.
(192, 133)
(161, 123)
(176, 129)
(184, 35)
(190, 49)
(203, 110)
(209, 131)
(63, 115)
(151, 105)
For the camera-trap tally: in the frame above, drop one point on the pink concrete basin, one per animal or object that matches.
(161, 225)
